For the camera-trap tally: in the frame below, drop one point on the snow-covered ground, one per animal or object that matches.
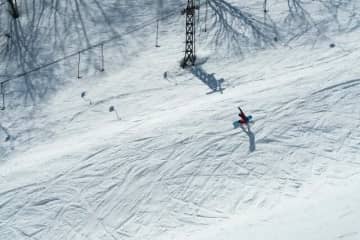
(173, 166)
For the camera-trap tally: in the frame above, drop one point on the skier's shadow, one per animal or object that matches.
(251, 135)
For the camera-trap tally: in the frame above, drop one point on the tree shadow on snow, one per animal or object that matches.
(28, 42)
(209, 79)
(235, 27)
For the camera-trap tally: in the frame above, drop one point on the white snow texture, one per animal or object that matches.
(167, 162)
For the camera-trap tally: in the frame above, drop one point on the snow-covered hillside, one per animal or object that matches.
(171, 165)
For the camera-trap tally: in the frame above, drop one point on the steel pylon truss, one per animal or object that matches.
(190, 57)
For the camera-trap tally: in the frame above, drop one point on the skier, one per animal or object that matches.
(244, 119)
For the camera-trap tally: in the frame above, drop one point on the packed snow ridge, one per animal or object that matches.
(148, 150)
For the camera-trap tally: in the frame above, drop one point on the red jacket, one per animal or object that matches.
(243, 117)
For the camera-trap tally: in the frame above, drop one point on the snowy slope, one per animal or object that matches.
(174, 167)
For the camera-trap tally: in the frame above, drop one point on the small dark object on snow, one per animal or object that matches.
(276, 39)
(7, 138)
(332, 45)
(83, 96)
(112, 109)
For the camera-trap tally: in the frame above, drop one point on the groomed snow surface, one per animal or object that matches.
(173, 166)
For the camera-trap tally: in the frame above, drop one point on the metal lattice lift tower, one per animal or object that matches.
(190, 57)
